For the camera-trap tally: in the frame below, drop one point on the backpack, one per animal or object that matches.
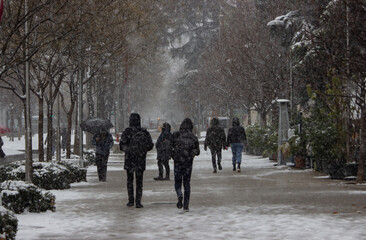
(184, 146)
(138, 144)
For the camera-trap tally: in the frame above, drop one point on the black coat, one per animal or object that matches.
(164, 152)
(185, 129)
(215, 136)
(134, 161)
(103, 142)
(236, 133)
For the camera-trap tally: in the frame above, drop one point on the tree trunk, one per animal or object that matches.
(28, 146)
(40, 130)
(69, 128)
(49, 132)
(263, 119)
(361, 163)
(76, 133)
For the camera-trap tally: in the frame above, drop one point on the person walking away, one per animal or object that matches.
(63, 138)
(215, 141)
(185, 148)
(135, 142)
(2, 154)
(103, 141)
(236, 138)
(164, 152)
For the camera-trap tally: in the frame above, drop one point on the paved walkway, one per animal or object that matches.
(261, 202)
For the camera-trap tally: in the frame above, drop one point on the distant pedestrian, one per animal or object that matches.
(135, 142)
(2, 154)
(185, 148)
(215, 141)
(64, 136)
(103, 141)
(164, 146)
(236, 138)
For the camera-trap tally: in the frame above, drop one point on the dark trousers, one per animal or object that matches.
(182, 173)
(214, 153)
(139, 178)
(161, 165)
(101, 161)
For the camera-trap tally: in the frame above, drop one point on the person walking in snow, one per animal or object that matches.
(215, 140)
(63, 138)
(164, 152)
(103, 141)
(185, 148)
(135, 142)
(236, 138)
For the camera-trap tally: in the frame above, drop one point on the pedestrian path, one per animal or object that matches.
(261, 202)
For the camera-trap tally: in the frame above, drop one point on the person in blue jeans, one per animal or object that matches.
(236, 138)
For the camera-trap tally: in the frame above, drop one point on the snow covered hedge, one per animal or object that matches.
(47, 175)
(8, 223)
(18, 196)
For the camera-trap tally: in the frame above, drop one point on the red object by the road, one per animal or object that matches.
(4, 130)
(1, 8)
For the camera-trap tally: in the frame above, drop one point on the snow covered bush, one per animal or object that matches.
(8, 223)
(19, 196)
(47, 175)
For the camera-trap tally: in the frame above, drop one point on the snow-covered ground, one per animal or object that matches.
(86, 212)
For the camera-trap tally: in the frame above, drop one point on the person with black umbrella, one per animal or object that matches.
(135, 142)
(103, 141)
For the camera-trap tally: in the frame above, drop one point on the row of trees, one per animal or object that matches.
(94, 46)
(305, 51)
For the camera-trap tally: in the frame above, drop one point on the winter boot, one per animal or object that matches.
(234, 168)
(238, 167)
(179, 203)
(130, 203)
(220, 167)
(139, 205)
(214, 171)
(167, 178)
(160, 178)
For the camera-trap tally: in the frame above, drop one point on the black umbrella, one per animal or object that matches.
(94, 125)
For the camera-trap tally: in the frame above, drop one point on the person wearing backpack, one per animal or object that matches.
(236, 138)
(103, 141)
(135, 142)
(215, 140)
(164, 152)
(185, 148)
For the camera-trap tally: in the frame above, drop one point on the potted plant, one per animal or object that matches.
(298, 150)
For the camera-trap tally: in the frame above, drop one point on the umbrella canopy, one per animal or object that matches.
(4, 130)
(94, 125)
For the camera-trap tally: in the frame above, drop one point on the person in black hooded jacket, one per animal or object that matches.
(236, 138)
(215, 140)
(164, 151)
(185, 148)
(135, 159)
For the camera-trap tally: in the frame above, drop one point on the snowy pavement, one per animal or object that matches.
(261, 202)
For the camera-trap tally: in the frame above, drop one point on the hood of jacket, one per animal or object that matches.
(236, 122)
(135, 120)
(166, 127)
(187, 125)
(215, 122)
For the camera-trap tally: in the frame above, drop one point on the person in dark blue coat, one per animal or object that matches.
(135, 142)
(185, 148)
(215, 140)
(236, 138)
(103, 141)
(164, 146)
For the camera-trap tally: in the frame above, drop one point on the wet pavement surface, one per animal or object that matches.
(263, 201)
